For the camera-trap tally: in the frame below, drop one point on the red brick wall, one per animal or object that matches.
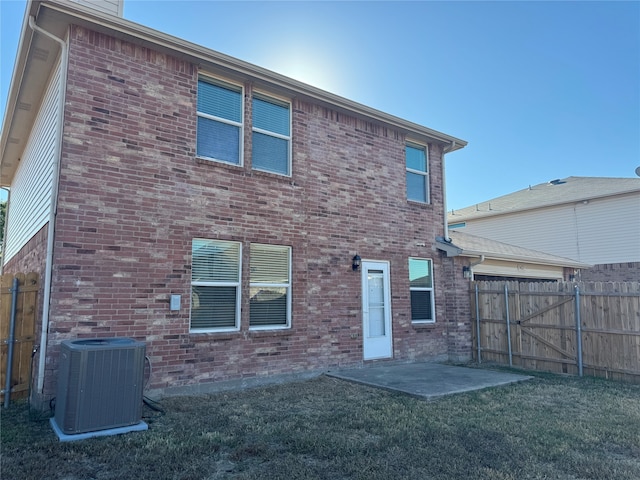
(457, 299)
(133, 195)
(612, 272)
(32, 257)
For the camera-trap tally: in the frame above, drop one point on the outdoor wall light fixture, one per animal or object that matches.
(356, 262)
(466, 272)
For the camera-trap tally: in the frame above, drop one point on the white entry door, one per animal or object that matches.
(376, 311)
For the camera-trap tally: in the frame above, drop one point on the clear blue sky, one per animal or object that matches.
(540, 90)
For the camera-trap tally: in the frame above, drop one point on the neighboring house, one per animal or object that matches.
(241, 223)
(591, 220)
(485, 259)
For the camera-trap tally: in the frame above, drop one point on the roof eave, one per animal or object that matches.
(529, 260)
(494, 213)
(54, 16)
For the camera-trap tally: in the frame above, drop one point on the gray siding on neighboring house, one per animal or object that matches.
(597, 231)
(31, 188)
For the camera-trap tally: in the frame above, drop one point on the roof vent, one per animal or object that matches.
(557, 181)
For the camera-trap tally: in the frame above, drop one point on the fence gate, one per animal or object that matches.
(24, 330)
(560, 327)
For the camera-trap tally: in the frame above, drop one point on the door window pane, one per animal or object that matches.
(376, 303)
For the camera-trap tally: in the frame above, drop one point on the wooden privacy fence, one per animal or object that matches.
(23, 332)
(559, 327)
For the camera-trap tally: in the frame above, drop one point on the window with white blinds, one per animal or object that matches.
(215, 285)
(421, 290)
(271, 135)
(219, 128)
(270, 286)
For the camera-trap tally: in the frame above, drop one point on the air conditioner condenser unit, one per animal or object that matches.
(100, 383)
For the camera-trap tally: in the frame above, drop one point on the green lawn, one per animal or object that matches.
(552, 427)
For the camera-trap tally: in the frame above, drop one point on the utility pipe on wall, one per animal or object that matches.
(64, 58)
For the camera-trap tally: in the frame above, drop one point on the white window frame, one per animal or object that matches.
(268, 97)
(237, 284)
(225, 84)
(425, 173)
(275, 285)
(424, 289)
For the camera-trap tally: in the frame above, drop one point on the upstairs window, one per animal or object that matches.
(270, 287)
(219, 121)
(271, 140)
(421, 289)
(215, 285)
(417, 173)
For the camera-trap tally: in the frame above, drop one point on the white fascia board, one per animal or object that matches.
(531, 260)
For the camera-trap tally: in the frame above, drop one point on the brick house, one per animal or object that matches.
(145, 169)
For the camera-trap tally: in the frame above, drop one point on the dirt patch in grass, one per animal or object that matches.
(549, 428)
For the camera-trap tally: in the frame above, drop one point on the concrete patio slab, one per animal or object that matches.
(428, 380)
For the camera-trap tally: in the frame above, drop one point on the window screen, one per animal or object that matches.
(271, 135)
(219, 121)
(417, 170)
(421, 290)
(215, 285)
(270, 289)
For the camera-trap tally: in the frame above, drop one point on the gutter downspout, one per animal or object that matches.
(444, 192)
(64, 59)
(471, 265)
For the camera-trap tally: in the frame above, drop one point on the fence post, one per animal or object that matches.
(506, 303)
(578, 331)
(478, 326)
(10, 342)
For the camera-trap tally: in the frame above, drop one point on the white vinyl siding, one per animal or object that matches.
(603, 230)
(421, 290)
(32, 185)
(215, 285)
(271, 139)
(114, 7)
(417, 165)
(270, 289)
(219, 128)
